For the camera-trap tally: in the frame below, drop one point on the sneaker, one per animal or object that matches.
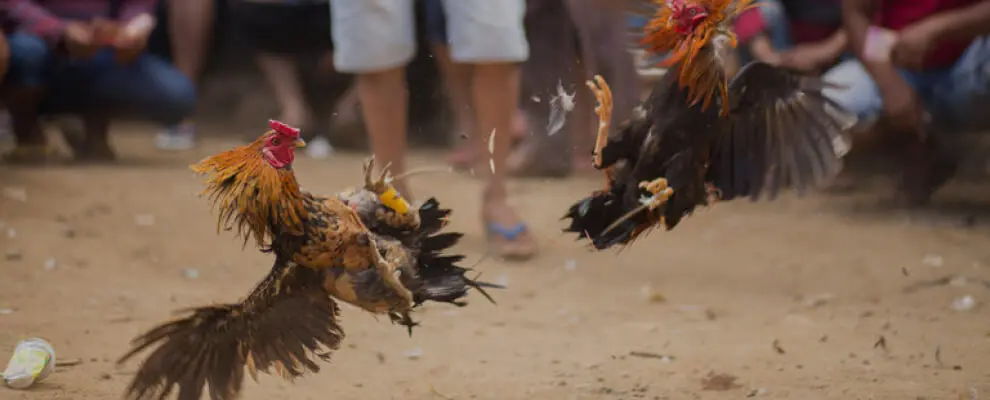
(176, 138)
(319, 148)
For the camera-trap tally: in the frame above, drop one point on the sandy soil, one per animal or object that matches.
(784, 300)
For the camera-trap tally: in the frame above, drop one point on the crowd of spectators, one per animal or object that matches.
(501, 61)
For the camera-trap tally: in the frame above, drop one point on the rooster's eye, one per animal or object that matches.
(692, 11)
(275, 142)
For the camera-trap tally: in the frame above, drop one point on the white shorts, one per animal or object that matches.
(376, 35)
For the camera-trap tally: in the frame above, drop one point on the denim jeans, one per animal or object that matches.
(149, 88)
(952, 95)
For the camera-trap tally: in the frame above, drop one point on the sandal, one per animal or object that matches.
(503, 241)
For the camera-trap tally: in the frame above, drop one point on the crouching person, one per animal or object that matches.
(86, 60)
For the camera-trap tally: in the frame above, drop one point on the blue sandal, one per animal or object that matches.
(505, 238)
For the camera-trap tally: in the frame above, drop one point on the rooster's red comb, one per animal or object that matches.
(282, 129)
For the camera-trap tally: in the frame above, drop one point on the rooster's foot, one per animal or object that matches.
(403, 318)
(660, 190)
(603, 95)
(387, 195)
(390, 275)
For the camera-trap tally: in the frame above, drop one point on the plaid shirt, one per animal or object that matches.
(47, 18)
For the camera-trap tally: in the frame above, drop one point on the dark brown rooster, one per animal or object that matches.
(367, 247)
(770, 129)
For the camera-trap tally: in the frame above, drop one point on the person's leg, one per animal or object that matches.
(604, 52)
(855, 91)
(25, 85)
(555, 59)
(281, 73)
(375, 39)
(489, 35)
(190, 25)
(958, 100)
(100, 89)
(456, 84)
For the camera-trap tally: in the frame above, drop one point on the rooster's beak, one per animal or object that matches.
(300, 143)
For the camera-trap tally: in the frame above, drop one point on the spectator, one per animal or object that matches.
(801, 34)
(77, 58)
(190, 25)
(303, 28)
(926, 74)
(457, 85)
(375, 40)
(572, 40)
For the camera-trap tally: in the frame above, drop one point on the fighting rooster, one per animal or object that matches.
(367, 247)
(707, 131)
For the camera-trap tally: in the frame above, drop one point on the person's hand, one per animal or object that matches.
(809, 58)
(132, 37)
(914, 42)
(78, 39)
(901, 105)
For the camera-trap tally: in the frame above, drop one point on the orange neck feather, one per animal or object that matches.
(698, 68)
(251, 195)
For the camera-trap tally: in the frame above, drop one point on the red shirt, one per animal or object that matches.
(809, 20)
(897, 14)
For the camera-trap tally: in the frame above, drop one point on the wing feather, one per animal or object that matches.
(782, 133)
(286, 322)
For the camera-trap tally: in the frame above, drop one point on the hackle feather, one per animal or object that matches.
(252, 197)
(690, 53)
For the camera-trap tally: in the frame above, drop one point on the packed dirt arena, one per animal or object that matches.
(873, 286)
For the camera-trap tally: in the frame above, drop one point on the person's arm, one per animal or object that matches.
(836, 43)
(31, 17)
(750, 29)
(963, 23)
(130, 9)
(857, 16)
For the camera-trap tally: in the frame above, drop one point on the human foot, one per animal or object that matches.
(508, 236)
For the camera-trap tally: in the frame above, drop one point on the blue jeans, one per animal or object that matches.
(149, 88)
(952, 95)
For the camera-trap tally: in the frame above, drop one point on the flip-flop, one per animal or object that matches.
(503, 242)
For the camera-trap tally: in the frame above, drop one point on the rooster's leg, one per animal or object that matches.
(405, 319)
(603, 95)
(660, 190)
(405, 215)
(390, 275)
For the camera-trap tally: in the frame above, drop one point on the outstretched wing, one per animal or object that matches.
(781, 133)
(286, 320)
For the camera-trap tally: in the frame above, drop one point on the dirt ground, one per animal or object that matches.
(823, 298)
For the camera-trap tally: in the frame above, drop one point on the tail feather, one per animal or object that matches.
(286, 321)
(602, 219)
(442, 279)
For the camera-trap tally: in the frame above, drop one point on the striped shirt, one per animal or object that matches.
(47, 18)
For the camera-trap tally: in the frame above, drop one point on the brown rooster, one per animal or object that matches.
(771, 129)
(367, 247)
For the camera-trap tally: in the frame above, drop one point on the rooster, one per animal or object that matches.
(367, 247)
(708, 130)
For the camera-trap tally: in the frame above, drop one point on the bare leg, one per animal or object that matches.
(457, 83)
(190, 24)
(31, 144)
(496, 98)
(282, 75)
(384, 105)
